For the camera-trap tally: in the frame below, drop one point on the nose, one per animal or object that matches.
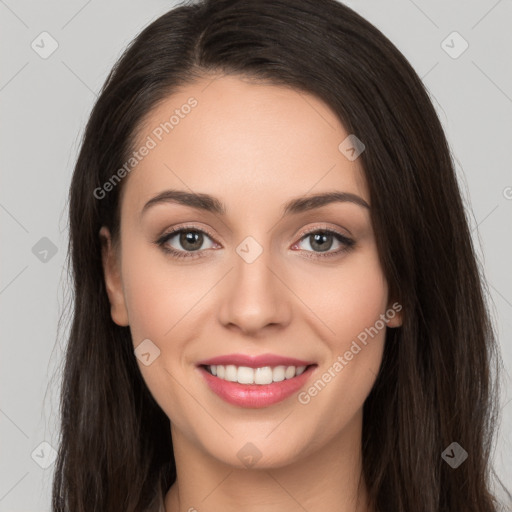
(255, 297)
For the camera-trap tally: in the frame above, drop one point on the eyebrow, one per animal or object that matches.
(212, 204)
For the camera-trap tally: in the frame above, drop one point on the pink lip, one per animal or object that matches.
(255, 395)
(255, 361)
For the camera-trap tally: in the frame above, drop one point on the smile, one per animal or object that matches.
(255, 387)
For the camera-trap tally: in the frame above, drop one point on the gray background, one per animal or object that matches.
(45, 104)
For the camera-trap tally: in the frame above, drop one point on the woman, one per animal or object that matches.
(277, 301)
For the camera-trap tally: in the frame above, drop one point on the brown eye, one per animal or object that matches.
(191, 240)
(185, 241)
(322, 240)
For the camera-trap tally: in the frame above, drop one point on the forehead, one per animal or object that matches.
(244, 142)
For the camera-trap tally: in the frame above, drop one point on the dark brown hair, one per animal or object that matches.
(437, 383)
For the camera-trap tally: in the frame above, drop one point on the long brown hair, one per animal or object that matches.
(438, 382)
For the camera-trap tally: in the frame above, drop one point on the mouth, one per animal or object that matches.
(256, 387)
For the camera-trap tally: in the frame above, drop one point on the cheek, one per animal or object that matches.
(356, 295)
(164, 300)
(362, 300)
(358, 298)
(157, 310)
(152, 291)
(362, 330)
(347, 298)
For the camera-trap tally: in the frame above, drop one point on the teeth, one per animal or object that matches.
(265, 375)
(230, 373)
(278, 373)
(246, 375)
(289, 372)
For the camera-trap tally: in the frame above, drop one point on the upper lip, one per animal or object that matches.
(255, 361)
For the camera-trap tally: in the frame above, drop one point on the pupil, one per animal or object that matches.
(320, 239)
(190, 238)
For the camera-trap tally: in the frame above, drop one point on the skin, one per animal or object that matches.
(254, 146)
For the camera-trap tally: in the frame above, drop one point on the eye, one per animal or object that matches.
(190, 239)
(321, 241)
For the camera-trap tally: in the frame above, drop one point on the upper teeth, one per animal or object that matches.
(246, 375)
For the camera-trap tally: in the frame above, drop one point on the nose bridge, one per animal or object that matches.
(252, 268)
(254, 297)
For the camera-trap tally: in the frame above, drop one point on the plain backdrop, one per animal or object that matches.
(45, 103)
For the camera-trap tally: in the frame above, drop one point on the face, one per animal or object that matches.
(252, 279)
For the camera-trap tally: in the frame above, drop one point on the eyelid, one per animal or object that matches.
(321, 228)
(191, 227)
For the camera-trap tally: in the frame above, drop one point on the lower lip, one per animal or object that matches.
(255, 395)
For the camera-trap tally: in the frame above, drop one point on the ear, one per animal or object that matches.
(395, 314)
(113, 281)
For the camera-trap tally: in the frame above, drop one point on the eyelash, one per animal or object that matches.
(161, 242)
